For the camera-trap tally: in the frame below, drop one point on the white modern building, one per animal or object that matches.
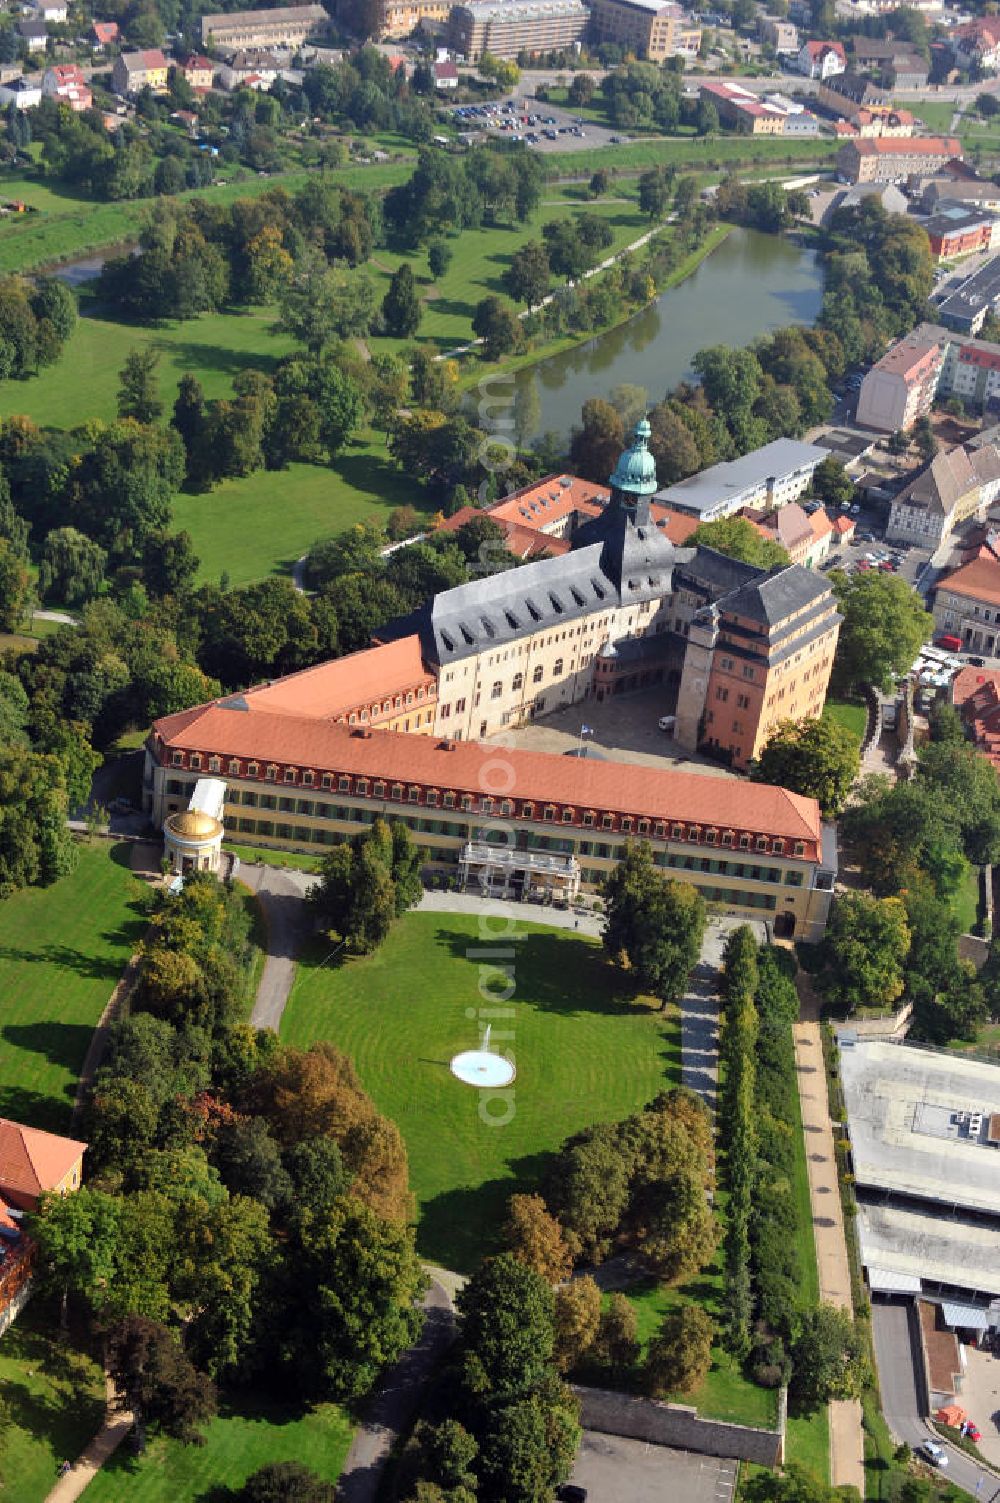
(764, 479)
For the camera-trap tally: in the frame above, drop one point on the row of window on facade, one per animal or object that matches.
(506, 808)
(387, 706)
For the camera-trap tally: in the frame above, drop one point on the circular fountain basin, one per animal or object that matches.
(479, 1067)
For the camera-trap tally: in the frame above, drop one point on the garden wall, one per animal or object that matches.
(679, 1426)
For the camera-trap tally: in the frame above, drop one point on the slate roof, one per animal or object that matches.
(787, 589)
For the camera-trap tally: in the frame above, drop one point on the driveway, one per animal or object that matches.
(395, 1404)
(700, 1011)
(894, 1353)
(614, 1469)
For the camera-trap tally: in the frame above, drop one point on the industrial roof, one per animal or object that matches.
(728, 482)
(902, 1105)
(909, 1246)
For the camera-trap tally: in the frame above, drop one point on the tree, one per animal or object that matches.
(884, 627)
(71, 570)
(818, 757)
(654, 192)
(506, 1321)
(577, 1317)
(832, 484)
(446, 1454)
(867, 942)
(15, 587)
(680, 1353)
(158, 1382)
(706, 117)
(535, 1238)
(616, 1345)
(652, 925)
(500, 71)
(285, 1482)
(528, 276)
(829, 1360)
(498, 327)
(366, 883)
(439, 257)
(530, 1449)
(794, 1484)
(739, 538)
(582, 89)
(138, 394)
(401, 308)
(319, 304)
(596, 447)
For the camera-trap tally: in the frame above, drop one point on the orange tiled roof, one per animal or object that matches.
(522, 540)
(471, 767)
(32, 1161)
(977, 580)
(331, 689)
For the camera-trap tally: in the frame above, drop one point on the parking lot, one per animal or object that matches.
(544, 127)
(616, 1470)
(980, 1398)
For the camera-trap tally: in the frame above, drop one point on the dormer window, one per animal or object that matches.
(343, 782)
(397, 791)
(567, 816)
(549, 812)
(449, 801)
(431, 798)
(289, 774)
(252, 770)
(308, 778)
(196, 759)
(271, 773)
(234, 768)
(677, 832)
(527, 811)
(214, 764)
(378, 789)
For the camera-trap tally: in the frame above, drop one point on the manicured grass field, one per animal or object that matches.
(965, 903)
(62, 949)
(56, 1401)
(853, 717)
(261, 524)
(585, 1053)
(296, 860)
(937, 114)
(243, 1437)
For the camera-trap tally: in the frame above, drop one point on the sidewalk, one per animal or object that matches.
(109, 1437)
(847, 1451)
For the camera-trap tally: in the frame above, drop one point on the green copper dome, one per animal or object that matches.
(635, 472)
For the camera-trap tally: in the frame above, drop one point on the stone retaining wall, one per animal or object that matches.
(678, 1426)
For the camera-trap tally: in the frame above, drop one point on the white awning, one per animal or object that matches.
(888, 1281)
(967, 1317)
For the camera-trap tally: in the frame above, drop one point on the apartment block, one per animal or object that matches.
(763, 480)
(286, 27)
(959, 229)
(891, 160)
(652, 29)
(901, 387)
(775, 32)
(400, 18)
(506, 28)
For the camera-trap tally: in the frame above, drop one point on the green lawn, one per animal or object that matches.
(725, 1394)
(965, 903)
(56, 1401)
(246, 1434)
(62, 949)
(700, 152)
(936, 114)
(249, 854)
(585, 1053)
(853, 717)
(261, 524)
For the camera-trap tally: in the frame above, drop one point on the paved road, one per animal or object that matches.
(525, 913)
(396, 1403)
(614, 1469)
(902, 1407)
(847, 1461)
(280, 893)
(700, 1011)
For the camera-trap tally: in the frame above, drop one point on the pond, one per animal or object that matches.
(750, 284)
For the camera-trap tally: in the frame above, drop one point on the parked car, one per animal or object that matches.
(971, 1431)
(667, 722)
(978, 662)
(934, 1454)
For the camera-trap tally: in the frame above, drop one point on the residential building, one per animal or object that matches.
(32, 1164)
(506, 27)
(901, 386)
(652, 29)
(892, 199)
(975, 692)
(286, 27)
(764, 479)
(971, 371)
(959, 229)
(21, 93)
(197, 72)
(847, 95)
(135, 71)
(742, 110)
(53, 11)
(253, 68)
(103, 35)
(888, 160)
(821, 59)
(956, 484)
(896, 65)
(400, 18)
(976, 44)
(775, 32)
(445, 75)
(964, 307)
(65, 81)
(806, 536)
(967, 601)
(34, 35)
